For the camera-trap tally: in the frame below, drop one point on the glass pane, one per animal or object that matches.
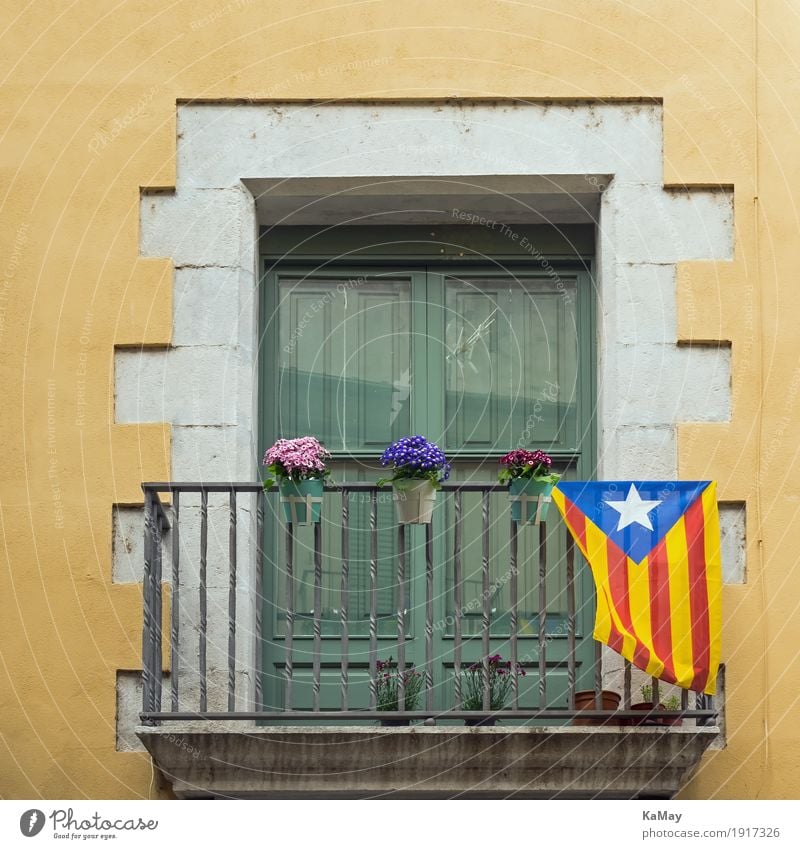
(511, 363)
(360, 554)
(499, 564)
(345, 361)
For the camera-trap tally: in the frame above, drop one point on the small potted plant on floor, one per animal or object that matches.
(386, 686)
(418, 469)
(531, 480)
(299, 467)
(671, 703)
(500, 680)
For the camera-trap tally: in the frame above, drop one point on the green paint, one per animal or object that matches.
(480, 355)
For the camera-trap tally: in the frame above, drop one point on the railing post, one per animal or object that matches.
(543, 616)
(316, 662)
(571, 623)
(148, 602)
(514, 613)
(157, 576)
(232, 601)
(288, 647)
(176, 609)
(487, 702)
(401, 616)
(345, 600)
(457, 596)
(428, 617)
(203, 600)
(373, 598)
(259, 648)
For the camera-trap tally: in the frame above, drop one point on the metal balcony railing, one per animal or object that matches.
(162, 516)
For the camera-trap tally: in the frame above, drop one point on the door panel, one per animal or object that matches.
(478, 361)
(511, 363)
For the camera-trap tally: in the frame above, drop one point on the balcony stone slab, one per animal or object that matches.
(229, 760)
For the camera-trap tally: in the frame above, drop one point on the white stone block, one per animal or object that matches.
(733, 532)
(220, 145)
(639, 304)
(659, 385)
(209, 453)
(639, 453)
(205, 306)
(197, 228)
(190, 386)
(129, 706)
(657, 226)
(127, 560)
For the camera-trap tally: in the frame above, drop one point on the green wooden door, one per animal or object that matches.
(479, 360)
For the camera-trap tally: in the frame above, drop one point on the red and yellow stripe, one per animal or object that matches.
(663, 614)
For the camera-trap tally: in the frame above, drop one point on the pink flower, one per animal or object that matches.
(302, 455)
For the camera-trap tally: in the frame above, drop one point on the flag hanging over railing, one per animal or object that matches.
(654, 551)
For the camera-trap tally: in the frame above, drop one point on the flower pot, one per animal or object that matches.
(584, 700)
(302, 502)
(529, 500)
(652, 720)
(413, 501)
(483, 721)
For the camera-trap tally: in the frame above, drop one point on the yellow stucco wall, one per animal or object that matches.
(87, 116)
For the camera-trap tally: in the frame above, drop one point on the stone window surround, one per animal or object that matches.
(205, 384)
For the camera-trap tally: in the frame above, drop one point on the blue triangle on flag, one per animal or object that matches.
(626, 523)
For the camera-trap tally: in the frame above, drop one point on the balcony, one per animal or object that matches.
(248, 692)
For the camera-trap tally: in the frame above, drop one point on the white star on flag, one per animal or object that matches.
(633, 509)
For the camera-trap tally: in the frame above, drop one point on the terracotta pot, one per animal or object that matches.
(584, 700)
(652, 720)
(413, 501)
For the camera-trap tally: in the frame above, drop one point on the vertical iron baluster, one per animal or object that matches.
(158, 664)
(259, 670)
(626, 686)
(486, 600)
(543, 616)
(288, 663)
(203, 598)
(315, 693)
(429, 617)
(176, 609)
(373, 599)
(457, 596)
(571, 622)
(232, 602)
(345, 592)
(401, 616)
(656, 695)
(514, 604)
(598, 675)
(148, 695)
(684, 699)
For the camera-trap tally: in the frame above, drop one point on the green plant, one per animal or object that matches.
(670, 703)
(500, 679)
(386, 684)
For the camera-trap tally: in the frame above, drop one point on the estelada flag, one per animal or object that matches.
(654, 550)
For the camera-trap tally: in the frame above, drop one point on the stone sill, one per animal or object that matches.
(229, 760)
